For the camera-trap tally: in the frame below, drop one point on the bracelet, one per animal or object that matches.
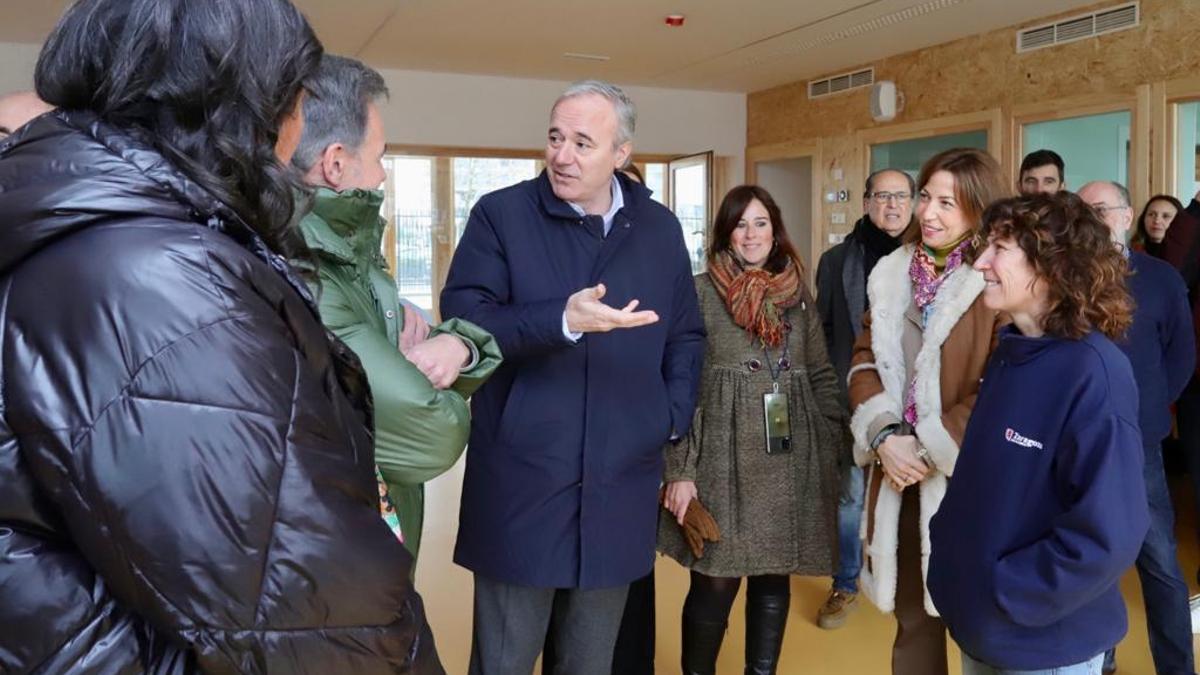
(883, 435)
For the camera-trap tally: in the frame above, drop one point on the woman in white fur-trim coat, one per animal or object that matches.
(913, 379)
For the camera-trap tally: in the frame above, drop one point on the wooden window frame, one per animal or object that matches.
(1164, 114)
(990, 121)
(442, 173)
(1135, 103)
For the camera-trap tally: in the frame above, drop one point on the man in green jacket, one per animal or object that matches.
(420, 378)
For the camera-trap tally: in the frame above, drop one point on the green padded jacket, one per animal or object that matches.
(420, 432)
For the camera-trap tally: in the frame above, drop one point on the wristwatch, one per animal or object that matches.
(882, 436)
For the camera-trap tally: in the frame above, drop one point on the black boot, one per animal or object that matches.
(701, 644)
(766, 617)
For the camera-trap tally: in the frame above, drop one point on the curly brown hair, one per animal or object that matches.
(1071, 249)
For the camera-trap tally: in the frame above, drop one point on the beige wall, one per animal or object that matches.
(443, 109)
(981, 81)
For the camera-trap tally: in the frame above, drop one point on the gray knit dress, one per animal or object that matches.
(777, 513)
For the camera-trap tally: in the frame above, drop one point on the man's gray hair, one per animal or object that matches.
(335, 110)
(626, 112)
(869, 189)
(1122, 193)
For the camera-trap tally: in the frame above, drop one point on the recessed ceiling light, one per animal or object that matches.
(585, 57)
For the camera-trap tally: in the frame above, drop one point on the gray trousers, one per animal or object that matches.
(511, 625)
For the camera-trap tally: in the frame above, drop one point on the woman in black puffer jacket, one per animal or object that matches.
(186, 469)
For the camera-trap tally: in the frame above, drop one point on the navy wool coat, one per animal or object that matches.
(565, 456)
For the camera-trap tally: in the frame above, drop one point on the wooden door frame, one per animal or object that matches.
(810, 149)
(1165, 98)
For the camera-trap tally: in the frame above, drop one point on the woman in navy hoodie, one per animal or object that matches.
(1045, 512)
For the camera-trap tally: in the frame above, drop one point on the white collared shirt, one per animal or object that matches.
(618, 201)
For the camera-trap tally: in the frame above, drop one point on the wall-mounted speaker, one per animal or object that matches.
(886, 101)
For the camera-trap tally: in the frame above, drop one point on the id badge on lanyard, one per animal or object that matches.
(775, 404)
(775, 416)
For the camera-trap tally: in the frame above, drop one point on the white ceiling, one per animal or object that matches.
(725, 45)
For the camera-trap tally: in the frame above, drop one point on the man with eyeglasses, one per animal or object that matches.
(842, 301)
(1162, 349)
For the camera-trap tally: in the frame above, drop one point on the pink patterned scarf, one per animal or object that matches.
(926, 283)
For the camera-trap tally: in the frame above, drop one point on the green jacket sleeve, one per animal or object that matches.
(420, 432)
(484, 348)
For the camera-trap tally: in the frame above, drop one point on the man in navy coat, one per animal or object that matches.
(1162, 349)
(585, 282)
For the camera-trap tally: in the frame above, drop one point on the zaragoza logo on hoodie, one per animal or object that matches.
(1017, 439)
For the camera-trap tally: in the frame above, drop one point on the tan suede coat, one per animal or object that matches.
(946, 358)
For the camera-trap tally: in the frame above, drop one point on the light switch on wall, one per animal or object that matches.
(838, 218)
(838, 174)
(835, 238)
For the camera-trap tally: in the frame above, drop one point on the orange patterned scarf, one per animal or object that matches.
(755, 298)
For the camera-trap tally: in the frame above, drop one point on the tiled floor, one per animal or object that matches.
(863, 646)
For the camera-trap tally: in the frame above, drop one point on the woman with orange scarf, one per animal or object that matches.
(763, 451)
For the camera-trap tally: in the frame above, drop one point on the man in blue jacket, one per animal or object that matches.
(1161, 347)
(560, 498)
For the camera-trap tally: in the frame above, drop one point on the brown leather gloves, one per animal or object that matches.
(698, 525)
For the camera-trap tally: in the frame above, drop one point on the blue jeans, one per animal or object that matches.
(1168, 617)
(850, 508)
(1090, 667)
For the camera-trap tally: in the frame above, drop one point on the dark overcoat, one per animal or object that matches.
(566, 449)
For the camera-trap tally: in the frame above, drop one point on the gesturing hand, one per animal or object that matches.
(898, 455)
(440, 359)
(586, 314)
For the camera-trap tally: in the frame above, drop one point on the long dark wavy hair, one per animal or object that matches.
(732, 207)
(1071, 249)
(206, 82)
(1141, 237)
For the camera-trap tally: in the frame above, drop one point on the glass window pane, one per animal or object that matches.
(908, 156)
(1093, 147)
(410, 180)
(1187, 150)
(656, 176)
(474, 177)
(690, 186)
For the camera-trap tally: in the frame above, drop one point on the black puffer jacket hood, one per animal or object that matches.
(186, 467)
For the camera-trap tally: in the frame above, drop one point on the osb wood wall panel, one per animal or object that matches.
(973, 74)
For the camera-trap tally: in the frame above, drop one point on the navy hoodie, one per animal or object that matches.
(1046, 508)
(1161, 344)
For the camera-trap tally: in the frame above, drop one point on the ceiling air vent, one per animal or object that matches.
(1079, 27)
(839, 83)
